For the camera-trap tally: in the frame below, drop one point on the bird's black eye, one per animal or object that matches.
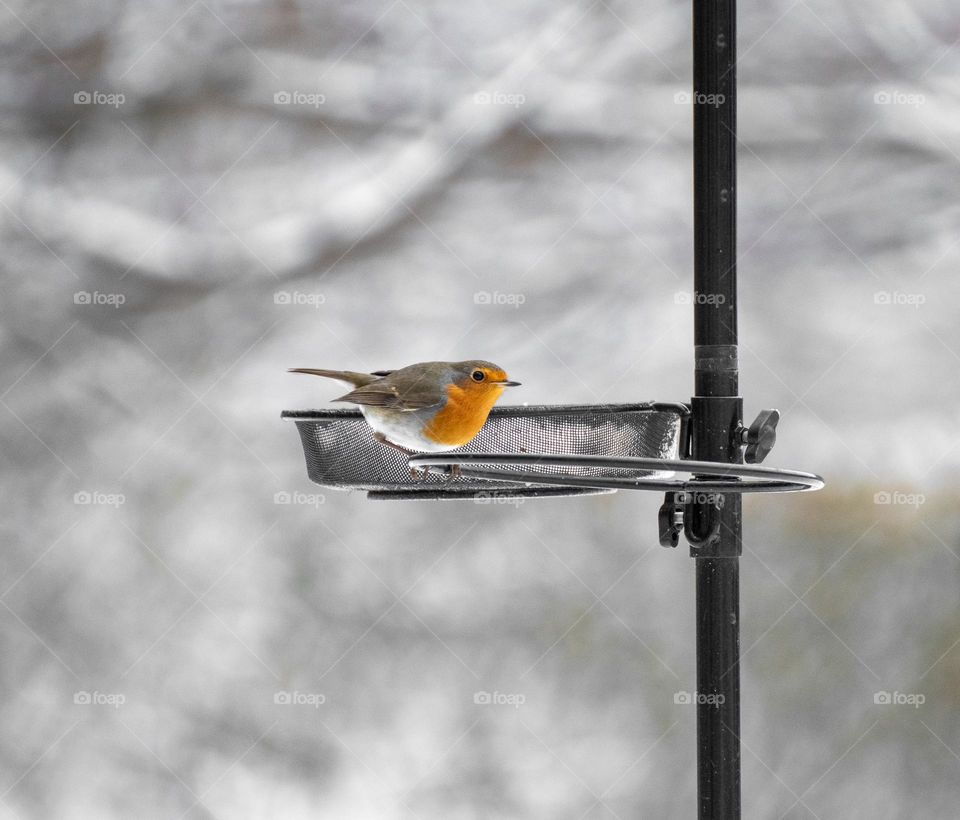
(478, 375)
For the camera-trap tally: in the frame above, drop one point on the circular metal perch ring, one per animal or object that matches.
(720, 477)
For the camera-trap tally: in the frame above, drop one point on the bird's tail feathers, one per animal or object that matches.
(347, 377)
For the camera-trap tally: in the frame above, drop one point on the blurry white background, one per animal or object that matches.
(197, 195)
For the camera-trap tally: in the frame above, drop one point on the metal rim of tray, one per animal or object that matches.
(721, 477)
(334, 413)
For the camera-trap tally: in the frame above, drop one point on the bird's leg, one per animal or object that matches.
(452, 472)
(384, 440)
(415, 472)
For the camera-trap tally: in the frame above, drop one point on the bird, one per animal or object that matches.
(428, 407)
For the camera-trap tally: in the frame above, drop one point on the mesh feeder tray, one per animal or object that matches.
(342, 454)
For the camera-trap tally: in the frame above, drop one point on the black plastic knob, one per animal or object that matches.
(761, 436)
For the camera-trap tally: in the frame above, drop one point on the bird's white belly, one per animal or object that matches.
(403, 428)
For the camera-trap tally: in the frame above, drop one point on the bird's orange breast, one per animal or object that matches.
(461, 418)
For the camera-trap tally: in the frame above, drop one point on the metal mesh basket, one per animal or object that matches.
(342, 454)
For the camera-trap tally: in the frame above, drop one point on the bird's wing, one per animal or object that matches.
(385, 394)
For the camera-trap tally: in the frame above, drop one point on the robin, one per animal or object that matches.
(427, 407)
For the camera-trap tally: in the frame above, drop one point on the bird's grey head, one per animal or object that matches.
(482, 372)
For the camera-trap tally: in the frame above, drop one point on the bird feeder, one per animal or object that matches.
(341, 452)
(700, 453)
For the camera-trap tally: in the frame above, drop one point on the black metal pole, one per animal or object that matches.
(717, 408)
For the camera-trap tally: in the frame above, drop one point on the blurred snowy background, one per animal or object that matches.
(198, 195)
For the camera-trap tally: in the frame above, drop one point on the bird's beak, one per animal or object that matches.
(508, 384)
